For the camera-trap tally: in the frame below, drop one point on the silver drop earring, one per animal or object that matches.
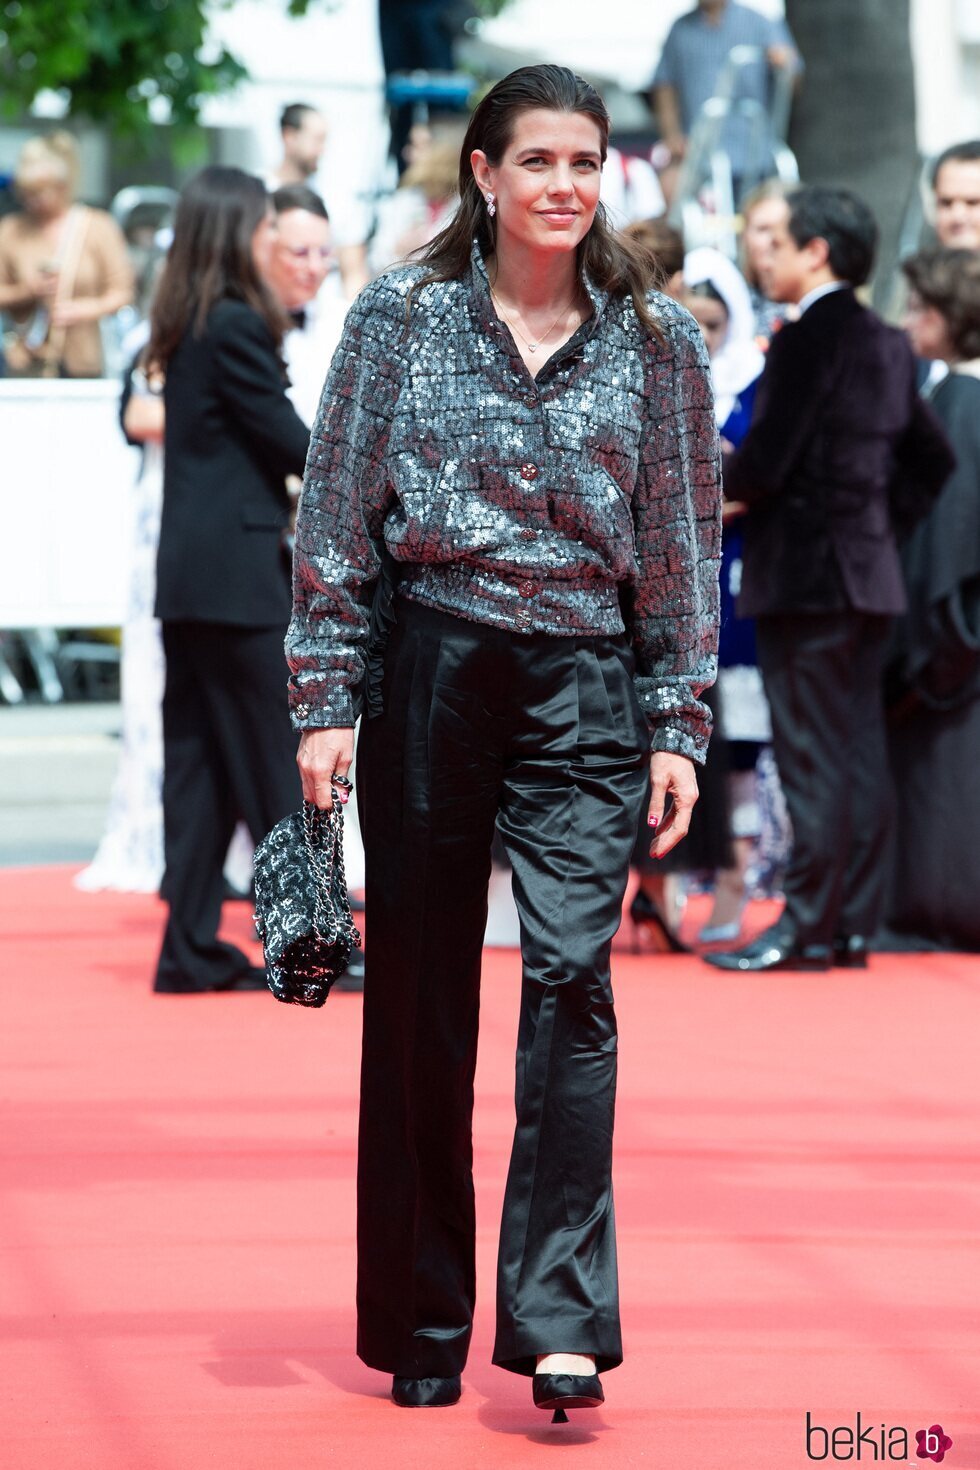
(491, 207)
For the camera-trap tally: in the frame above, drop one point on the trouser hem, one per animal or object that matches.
(413, 1365)
(519, 1353)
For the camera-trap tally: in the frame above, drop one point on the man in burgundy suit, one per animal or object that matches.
(841, 453)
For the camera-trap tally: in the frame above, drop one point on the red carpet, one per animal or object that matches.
(798, 1195)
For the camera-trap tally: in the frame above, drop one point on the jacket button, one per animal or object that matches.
(528, 535)
(531, 401)
(529, 471)
(526, 589)
(523, 620)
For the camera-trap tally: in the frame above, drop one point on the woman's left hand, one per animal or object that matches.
(670, 775)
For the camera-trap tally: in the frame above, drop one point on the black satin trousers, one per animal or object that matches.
(544, 737)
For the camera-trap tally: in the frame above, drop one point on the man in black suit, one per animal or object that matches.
(841, 445)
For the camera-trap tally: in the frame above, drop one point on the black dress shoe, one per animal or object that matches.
(775, 949)
(851, 952)
(426, 1393)
(231, 894)
(253, 979)
(353, 976)
(561, 1391)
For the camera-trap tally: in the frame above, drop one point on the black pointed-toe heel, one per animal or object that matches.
(426, 1393)
(561, 1391)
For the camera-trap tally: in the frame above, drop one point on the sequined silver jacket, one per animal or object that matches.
(529, 504)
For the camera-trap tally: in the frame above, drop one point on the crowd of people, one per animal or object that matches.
(812, 499)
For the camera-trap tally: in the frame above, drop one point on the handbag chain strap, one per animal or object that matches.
(76, 226)
(324, 835)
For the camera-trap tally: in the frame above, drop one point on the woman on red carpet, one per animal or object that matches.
(507, 552)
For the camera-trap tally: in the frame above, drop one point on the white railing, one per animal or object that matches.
(67, 473)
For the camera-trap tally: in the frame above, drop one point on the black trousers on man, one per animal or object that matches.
(822, 674)
(228, 753)
(544, 737)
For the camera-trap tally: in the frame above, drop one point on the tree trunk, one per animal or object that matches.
(854, 119)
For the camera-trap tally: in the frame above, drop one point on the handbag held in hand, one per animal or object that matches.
(302, 911)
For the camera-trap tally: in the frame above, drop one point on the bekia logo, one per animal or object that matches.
(874, 1442)
(932, 1443)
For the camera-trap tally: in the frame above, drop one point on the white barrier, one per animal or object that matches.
(65, 475)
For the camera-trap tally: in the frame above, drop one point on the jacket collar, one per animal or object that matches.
(486, 312)
(832, 288)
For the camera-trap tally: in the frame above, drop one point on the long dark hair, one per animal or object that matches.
(210, 260)
(615, 263)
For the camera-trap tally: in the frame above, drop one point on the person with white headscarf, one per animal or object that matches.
(716, 294)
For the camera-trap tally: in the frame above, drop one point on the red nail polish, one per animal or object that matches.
(653, 821)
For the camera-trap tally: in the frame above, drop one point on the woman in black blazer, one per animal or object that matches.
(223, 583)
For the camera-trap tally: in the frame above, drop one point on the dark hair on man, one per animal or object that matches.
(294, 115)
(819, 212)
(614, 262)
(949, 280)
(959, 153)
(298, 196)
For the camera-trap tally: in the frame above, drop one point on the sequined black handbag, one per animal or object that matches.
(302, 911)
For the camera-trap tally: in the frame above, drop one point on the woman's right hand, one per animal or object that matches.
(322, 755)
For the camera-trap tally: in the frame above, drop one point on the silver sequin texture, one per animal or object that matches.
(522, 503)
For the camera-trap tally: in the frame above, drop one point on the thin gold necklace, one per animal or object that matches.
(531, 346)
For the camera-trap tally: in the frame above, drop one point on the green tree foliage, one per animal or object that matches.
(114, 61)
(109, 59)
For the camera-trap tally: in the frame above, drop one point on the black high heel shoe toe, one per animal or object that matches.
(426, 1393)
(561, 1391)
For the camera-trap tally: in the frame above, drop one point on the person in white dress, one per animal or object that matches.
(129, 857)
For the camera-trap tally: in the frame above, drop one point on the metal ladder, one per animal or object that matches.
(704, 202)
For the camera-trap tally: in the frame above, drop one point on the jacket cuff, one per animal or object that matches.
(680, 740)
(313, 707)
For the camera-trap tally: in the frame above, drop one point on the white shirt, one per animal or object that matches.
(308, 351)
(826, 290)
